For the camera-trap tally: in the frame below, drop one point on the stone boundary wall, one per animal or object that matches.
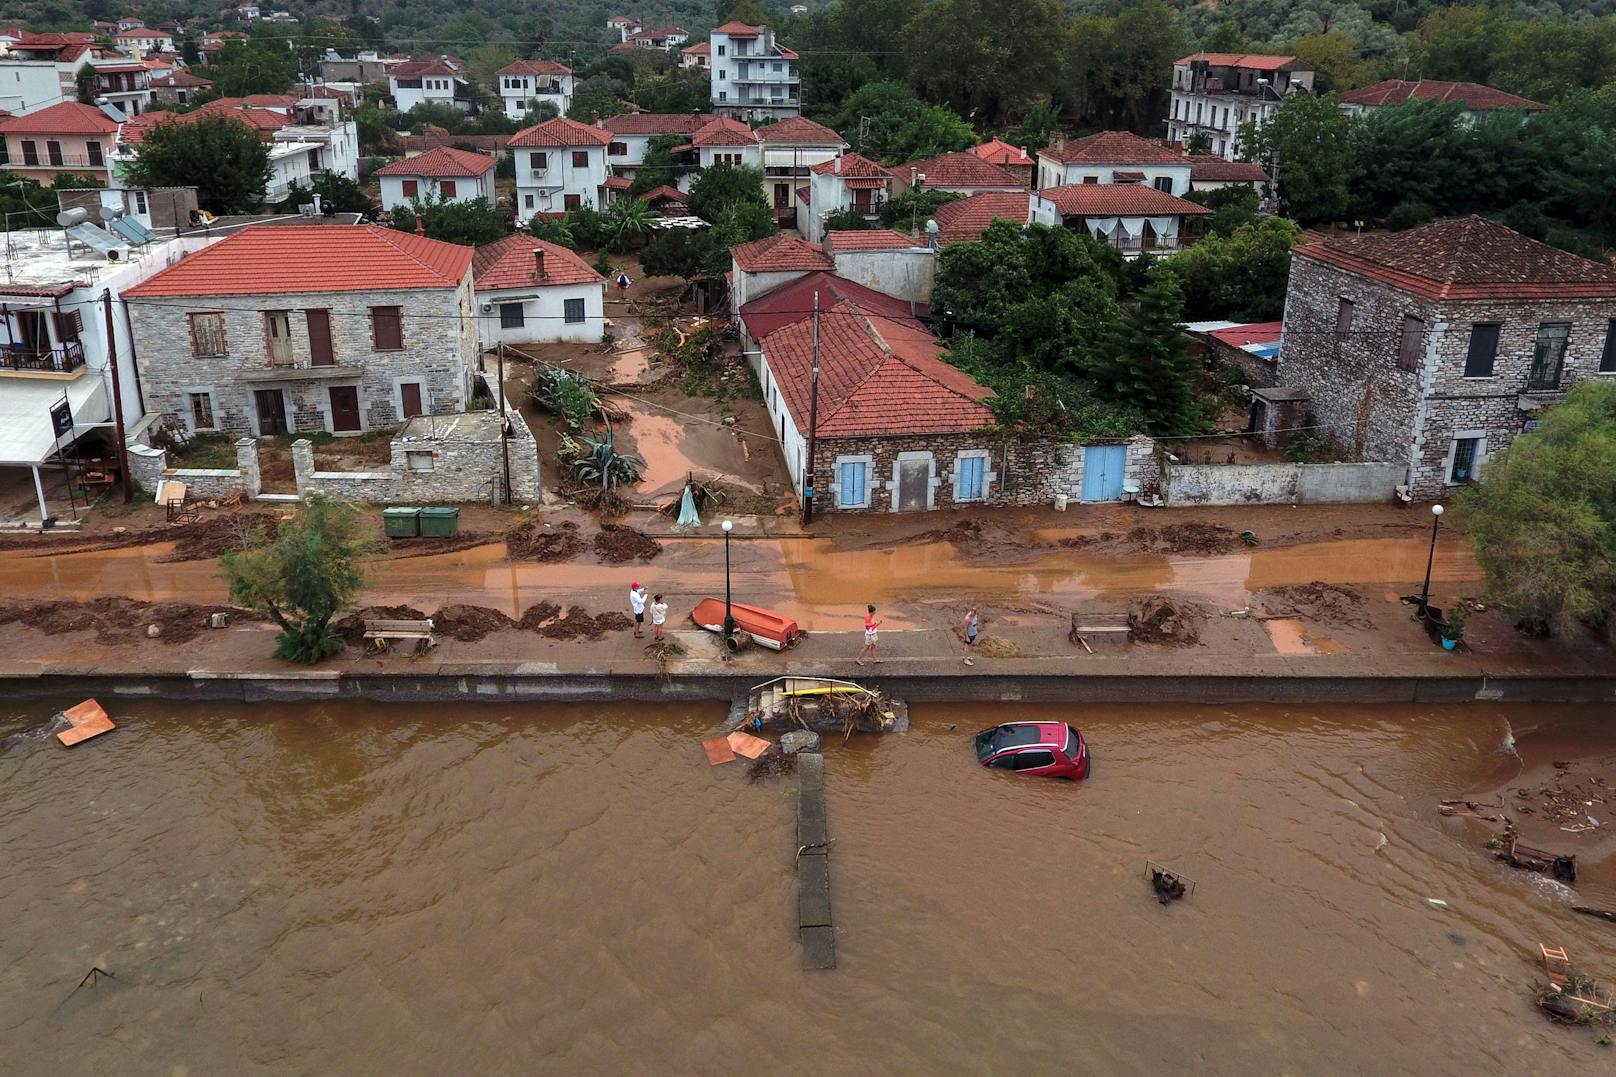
(1273, 484)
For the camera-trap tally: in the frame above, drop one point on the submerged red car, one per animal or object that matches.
(1047, 749)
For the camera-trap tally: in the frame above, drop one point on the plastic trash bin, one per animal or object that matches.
(440, 522)
(401, 522)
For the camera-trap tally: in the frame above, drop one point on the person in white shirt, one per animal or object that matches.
(659, 616)
(636, 602)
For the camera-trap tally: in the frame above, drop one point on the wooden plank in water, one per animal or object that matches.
(82, 731)
(83, 712)
(813, 865)
(818, 948)
(718, 750)
(746, 744)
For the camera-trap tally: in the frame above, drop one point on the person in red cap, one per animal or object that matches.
(636, 602)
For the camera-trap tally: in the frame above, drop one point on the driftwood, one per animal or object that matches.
(1562, 866)
(1589, 910)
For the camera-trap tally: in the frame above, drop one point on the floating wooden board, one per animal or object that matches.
(746, 744)
(84, 730)
(718, 750)
(84, 712)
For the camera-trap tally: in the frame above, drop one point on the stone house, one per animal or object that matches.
(178, 87)
(443, 173)
(560, 165)
(1114, 157)
(276, 329)
(899, 429)
(1434, 347)
(530, 292)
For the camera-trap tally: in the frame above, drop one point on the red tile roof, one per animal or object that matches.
(510, 263)
(1472, 95)
(879, 375)
(442, 161)
(421, 143)
(1210, 168)
(964, 220)
(959, 170)
(853, 166)
(799, 130)
(65, 118)
(264, 121)
(1118, 200)
(874, 239)
(724, 131)
(792, 302)
(560, 132)
(1466, 258)
(701, 48)
(664, 193)
(739, 29)
(1239, 336)
(1255, 61)
(412, 68)
(310, 259)
(143, 33)
(175, 80)
(618, 183)
(658, 123)
(534, 67)
(997, 152)
(1112, 148)
(780, 253)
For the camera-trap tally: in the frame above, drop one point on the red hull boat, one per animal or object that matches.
(767, 628)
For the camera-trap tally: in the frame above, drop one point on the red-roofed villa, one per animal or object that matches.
(443, 173)
(532, 292)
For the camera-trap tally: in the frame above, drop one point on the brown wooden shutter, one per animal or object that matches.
(321, 353)
(387, 328)
(69, 325)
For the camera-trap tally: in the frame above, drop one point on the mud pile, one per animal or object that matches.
(531, 540)
(1323, 603)
(118, 621)
(552, 622)
(1187, 538)
(1159, 619)
(212, 536)
(402, 549)
(468, 624)
(616, 543)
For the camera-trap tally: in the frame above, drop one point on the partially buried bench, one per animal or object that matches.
(381, 634)
(1095, 627)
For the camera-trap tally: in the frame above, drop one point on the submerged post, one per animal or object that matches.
(813, 865)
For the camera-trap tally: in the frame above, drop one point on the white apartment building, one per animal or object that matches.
(560, 165)
(535, 80)
(139, 41)
(1215, 92)
(753, 76)
(427, 82)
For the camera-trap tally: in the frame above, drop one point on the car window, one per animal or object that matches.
(1033, 759)
(1006, 761)
(1072, 741)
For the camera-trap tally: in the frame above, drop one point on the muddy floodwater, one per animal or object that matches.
(352, 888)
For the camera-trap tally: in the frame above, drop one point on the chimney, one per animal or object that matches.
(420, 229)
(838, 164)
(538, 261)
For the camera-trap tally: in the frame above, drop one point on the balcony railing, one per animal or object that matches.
(60, 160)
(62, 359)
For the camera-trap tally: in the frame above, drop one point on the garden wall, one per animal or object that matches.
(1269, 484)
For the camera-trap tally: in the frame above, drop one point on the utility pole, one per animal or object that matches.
(117, 398)
(813, 426)
(504, 440)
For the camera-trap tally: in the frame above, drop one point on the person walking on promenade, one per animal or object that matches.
(871, 626)
(636, 602)
(659, 616)
(970, 627)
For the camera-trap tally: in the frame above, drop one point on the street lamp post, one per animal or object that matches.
(729, 617)
(1436, 522)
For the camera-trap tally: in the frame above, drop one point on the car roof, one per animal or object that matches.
(1034, 735)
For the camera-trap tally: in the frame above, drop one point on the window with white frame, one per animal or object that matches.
(971, 476)
(1464, 458)
(853, 482)
(418, 460)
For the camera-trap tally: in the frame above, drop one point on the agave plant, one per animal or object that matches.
(598, 462)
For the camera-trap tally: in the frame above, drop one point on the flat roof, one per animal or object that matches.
(38, 258)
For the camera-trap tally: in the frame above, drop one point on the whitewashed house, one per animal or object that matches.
(442, 174)
(725, 141)
(560, 165)
(753, 76)
(791, 147)
(1128, 216)
(533, 292)
(632, 133)
(427, 82)
(525, 81)
(698, 55)
(138, 41)
(663, 38)
(850, 181)
(1114, 157)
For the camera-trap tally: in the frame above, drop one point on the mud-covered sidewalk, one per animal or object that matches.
(1316, 595)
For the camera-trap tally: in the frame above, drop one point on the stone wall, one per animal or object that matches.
(1269, 484)
(1016, 472)
(439, 354)
(1374, 411)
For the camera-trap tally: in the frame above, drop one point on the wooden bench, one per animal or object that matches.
(382, 634)
(1088, 626)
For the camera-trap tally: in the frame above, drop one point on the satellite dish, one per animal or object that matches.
(69, 217)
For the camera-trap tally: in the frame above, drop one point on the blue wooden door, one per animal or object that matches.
(1102, 472)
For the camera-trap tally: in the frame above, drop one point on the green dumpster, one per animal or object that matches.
(440, 522)
(401, 522)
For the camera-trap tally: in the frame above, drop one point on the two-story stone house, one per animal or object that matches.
(524, 81)
(277, 329)
(1434, 347)
(560, 165)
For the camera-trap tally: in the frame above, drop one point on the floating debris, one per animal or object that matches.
(1168, 884)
